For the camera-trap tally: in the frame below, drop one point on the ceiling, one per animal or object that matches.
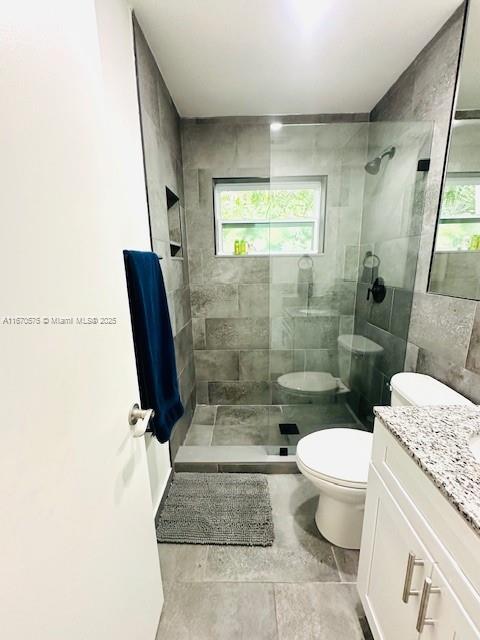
(262, 57)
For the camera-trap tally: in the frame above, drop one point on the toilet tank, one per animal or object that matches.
(355, 347)
(420, 390)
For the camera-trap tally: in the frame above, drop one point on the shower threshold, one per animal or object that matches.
(236, 459)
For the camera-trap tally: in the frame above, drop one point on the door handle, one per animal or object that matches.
(138, 419)
(422, 619)
(412, 562)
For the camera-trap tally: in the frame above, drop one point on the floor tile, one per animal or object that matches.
(182, 562)
(248, 414)
(242, 414)
(245, 434)
(204, 414)
(298, 554)
(316, 611)
(199, 435)
(293, 495)
(206, 611)
(347, 562)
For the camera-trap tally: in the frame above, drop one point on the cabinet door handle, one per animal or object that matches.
(412, 562)
(422, 619)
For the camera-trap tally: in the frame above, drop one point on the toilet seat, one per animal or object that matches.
(340, 456)
(309, 382)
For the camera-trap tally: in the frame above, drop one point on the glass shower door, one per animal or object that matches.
(340, 306)
(313, 290)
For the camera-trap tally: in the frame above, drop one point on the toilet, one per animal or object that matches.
(355, 353)
(337, 460)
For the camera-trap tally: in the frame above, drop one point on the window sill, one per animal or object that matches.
(270, 255)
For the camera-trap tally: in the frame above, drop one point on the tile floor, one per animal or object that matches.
(301, 588)
(258, 424)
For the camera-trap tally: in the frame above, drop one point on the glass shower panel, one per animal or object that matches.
(392, 219)
(312, 294)
(333, 348)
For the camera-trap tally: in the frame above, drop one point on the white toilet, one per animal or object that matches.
(336, 461)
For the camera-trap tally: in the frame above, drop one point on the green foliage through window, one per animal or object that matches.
(254, 218)
(459, 224)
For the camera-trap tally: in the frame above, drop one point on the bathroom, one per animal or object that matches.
(270, 431)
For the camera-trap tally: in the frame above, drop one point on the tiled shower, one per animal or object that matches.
(242, 322)
(249, 321)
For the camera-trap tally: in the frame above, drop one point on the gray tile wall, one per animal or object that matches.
(444, 332)
(163, 168)
(229, 296)
(239, 304)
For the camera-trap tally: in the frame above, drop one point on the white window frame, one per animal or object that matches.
(254, 184)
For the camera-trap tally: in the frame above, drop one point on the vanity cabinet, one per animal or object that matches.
(419, 571)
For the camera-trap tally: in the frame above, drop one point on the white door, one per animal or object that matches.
(444, 609)
(77, 542)
(387, 541)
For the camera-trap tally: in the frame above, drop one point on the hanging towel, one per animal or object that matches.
(153, 340)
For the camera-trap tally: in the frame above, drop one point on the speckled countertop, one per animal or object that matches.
(437, 438)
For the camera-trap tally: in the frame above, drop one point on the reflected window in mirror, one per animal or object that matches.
(459, 221)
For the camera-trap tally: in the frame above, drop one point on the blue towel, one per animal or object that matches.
(153, 340)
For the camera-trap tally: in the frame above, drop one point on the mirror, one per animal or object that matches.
(455, 269)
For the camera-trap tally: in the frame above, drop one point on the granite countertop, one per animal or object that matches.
(437, 438)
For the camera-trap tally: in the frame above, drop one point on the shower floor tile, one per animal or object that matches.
(247, 438)
(225, 434)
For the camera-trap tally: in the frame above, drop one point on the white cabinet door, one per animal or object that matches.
(449, 620)
(387, 541)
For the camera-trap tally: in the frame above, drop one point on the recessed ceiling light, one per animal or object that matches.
(276, 126)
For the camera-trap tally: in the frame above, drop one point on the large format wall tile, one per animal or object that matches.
(241, 392)
(442, 325)
(254, 300)
(198, 333)
(234, 270)
(214, 301)
(254, 364)
(216, 365)
(473, 355)
(237, 333)
(452, 374)
(315, 332)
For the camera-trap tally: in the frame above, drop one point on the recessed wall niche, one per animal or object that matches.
(174, 223)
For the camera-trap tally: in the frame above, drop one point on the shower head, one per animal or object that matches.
(373, 167)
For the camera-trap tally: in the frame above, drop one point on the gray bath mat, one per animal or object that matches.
(217, 508)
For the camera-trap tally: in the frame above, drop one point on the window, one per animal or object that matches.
(259, 217)
(459, 222)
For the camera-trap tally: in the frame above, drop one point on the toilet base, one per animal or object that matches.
(340, 522)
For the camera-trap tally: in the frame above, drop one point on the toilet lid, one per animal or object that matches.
(339, 455)
(309, 381)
